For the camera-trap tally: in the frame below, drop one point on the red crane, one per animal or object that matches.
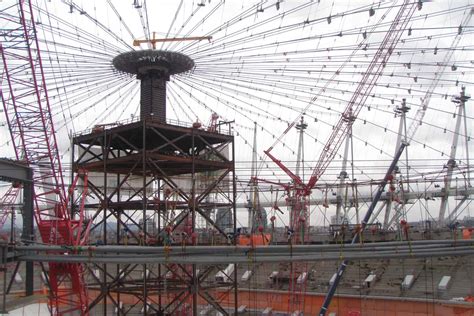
(298, 191)
(212, 125)
(28, 113)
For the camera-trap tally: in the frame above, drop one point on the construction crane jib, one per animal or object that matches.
(357, 101)
(392, 37)
(155, 40)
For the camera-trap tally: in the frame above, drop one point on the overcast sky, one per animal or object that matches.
(265, 63)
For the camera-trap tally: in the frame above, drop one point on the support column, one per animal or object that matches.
(253, 202)
(399, 111)
(28, 230)
(234, 215)
(341, 195)
(17, 172)
(451, 164)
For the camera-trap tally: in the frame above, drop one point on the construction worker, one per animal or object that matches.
(289, 234)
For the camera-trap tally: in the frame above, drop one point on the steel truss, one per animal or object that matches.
(28, 114)
(154, 183)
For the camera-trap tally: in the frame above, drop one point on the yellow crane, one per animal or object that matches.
(155, 40)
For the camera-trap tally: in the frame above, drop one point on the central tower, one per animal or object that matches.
(153, 68)
(162, 185)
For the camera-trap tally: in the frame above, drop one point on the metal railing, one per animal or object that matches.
(223, 127)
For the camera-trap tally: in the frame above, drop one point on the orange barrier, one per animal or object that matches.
(354, 306)
(255, 239)
(467, 233)
(278, 301)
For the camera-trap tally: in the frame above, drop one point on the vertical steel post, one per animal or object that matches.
(4, 270)
(402, 132)
(194, 281)
(451, 164)
(105, 153)
(144, 206)
(28, 229)
(234, 206)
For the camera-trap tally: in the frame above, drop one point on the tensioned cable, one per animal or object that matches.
(173, 21)
(266, 34)
(302, 60)
(95, 22)
(370, 122)
(121, 20)
(196, 86)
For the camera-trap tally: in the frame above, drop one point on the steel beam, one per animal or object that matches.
(415, 195)
(14, 171)
(242, 258)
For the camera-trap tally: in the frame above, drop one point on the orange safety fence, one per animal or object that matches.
(255, 239)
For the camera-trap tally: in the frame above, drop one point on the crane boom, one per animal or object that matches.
(298, 192)
(410, 134)
(29, 118)
(28, 113)
(296, 179)
(362, 91)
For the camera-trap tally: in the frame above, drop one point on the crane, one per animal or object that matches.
(298, 219)
(302, 190)
(29, 118)
(212, 125)
(155, 40)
